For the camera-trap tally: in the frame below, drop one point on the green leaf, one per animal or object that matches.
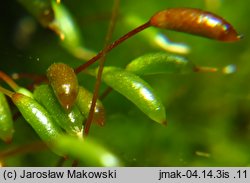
(24, 91)
(56, 17)
(65, 26)
(68, 31)
(71, 121)
(137, 91)
(158, 63)
(83, 102)
(6, 122)
(87, 151)
(40, 9)
(37, 116)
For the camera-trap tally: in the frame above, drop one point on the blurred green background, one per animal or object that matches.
(208, 113)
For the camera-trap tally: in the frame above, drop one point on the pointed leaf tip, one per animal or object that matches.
(164, 123)
(137, 91)
(160, 63)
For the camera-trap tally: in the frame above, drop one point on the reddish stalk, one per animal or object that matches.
(102, 54)
(205, 69)
(199, 69)
(30, 76)
(36, 79)
(112, 46)
(8, 80)
(101, 66)
(27, 148)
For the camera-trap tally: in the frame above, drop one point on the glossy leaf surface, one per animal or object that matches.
(65, 26)
(70, 121)
(154, 37)
(37, 116)
(212, 110)
(137, 91)
(158, 63)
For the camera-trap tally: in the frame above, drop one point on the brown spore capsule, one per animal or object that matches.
(64, 83)
(197, 22)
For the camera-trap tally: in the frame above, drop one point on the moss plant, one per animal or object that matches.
(187, 108)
